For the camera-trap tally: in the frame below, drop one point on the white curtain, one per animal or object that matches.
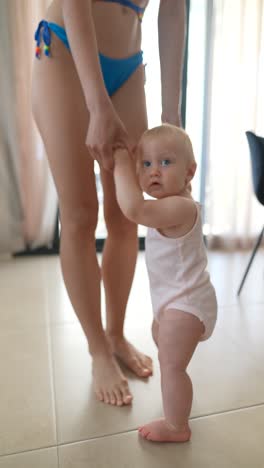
(11, 214)
(28, 200)
(235, 99)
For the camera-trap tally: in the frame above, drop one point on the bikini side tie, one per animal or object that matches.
(43, 33)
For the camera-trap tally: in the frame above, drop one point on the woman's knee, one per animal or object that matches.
(119, 226)
(80, 220)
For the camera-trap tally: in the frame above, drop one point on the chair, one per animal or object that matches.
(256, 149)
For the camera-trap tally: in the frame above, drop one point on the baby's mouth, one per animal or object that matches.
(154, 184)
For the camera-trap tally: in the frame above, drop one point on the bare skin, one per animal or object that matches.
(165, 168)
(62, 117)
(177, 336)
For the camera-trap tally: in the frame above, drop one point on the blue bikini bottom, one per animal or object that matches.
(115, 71)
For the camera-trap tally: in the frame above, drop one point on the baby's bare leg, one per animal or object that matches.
(155, 332)
(179, 334)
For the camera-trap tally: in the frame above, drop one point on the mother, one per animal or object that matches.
(88, 99)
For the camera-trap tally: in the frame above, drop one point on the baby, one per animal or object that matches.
(183, 298)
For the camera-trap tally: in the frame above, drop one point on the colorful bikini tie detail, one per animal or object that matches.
(43, 33)
(140, 17)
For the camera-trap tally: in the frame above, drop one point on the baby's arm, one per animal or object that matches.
(128, 192)
(162, 213)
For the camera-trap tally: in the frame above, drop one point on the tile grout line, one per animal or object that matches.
(52, 365)
(80, 441)
(233, 410)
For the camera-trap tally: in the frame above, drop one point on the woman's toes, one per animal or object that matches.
(126, 397)
(118, 396)
(142, 367)
(99, 396)
(107, 398)
(113, 399)
(125, 393)
(139, 368)
(146, 372)
(119, 401)
(147, 364)
(110, 385)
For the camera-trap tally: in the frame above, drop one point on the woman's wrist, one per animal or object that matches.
(100, 102)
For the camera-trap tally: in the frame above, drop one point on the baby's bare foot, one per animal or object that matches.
(137, 362)
(161, 431)
(110, 385)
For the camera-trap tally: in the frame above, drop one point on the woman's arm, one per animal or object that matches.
(79, 24)
(162, 213)
(106, 131)
(171, 25)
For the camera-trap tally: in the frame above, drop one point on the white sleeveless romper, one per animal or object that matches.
(178, 277)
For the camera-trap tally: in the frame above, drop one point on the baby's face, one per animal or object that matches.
(163, 167)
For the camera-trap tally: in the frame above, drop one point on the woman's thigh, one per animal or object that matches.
(130, 104)
(62, 119)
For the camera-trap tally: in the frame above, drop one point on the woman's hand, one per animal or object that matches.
(105, 134)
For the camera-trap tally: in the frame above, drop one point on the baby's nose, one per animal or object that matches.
(155, 169)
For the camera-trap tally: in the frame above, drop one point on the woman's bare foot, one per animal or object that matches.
(137, 362)
(110, 385)
(161, 431)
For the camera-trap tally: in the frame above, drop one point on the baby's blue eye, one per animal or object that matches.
(165, 162)
(146, 163)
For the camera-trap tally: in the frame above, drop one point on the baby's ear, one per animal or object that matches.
(191, 171)
(190, 174)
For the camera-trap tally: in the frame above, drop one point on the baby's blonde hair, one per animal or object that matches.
(171, 131)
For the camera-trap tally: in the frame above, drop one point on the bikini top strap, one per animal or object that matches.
(136, 8)
(129, 4)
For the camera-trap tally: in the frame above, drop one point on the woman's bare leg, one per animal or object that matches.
(121, 246)
(179, 334)
(62, 118)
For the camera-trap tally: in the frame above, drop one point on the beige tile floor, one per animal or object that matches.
(49, 417)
